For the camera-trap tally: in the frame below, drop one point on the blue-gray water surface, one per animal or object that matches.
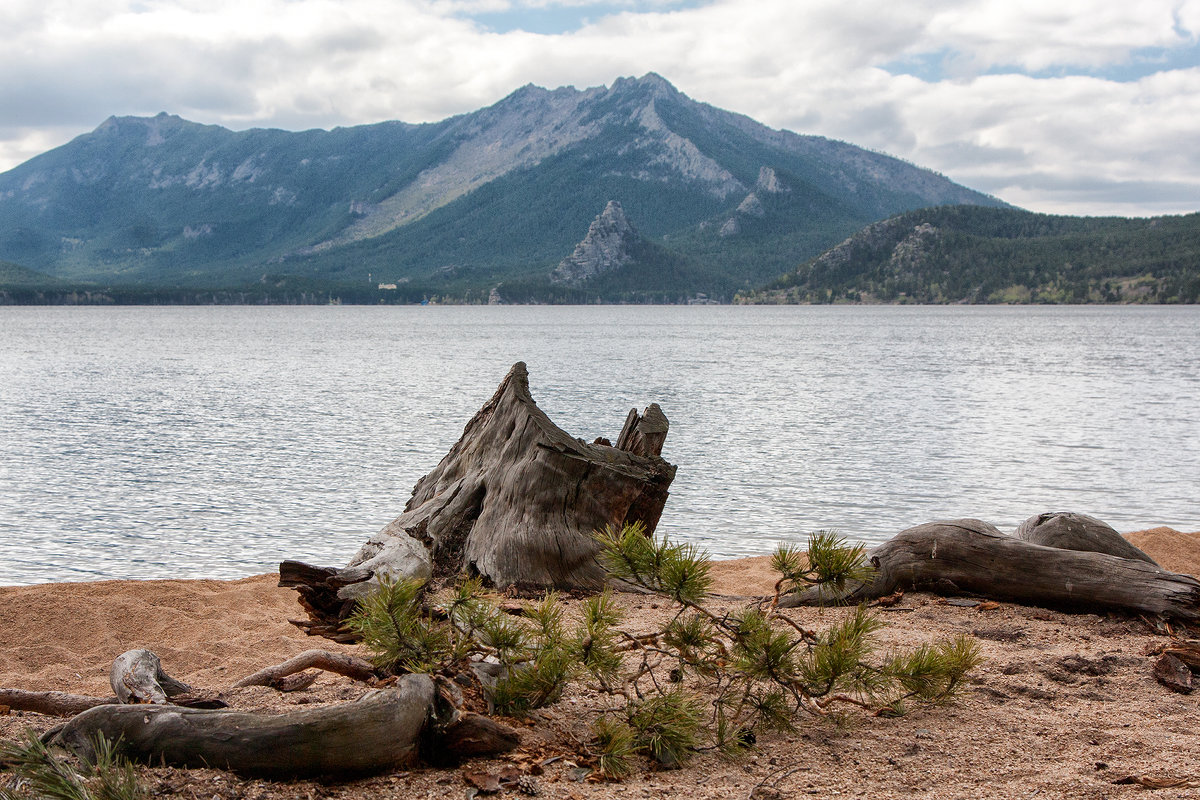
(216, 441)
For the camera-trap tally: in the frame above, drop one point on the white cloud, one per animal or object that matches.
(1071, 142)
(1042, 143)
(1039, 35)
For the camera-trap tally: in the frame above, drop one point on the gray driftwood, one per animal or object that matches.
(381, 731)
(516, 500)
(968, 556)
(1070, 531)
(384, 730)
(137, 677)
(355, 668)
(54, 704)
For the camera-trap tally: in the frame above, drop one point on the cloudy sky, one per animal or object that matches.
(1060, 106)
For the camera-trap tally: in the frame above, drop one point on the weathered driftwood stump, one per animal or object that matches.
(968, 556)
(517, 500)
(137, 677)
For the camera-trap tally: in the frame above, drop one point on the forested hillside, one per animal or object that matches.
(966, 254)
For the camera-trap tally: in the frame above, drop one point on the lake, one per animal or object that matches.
(215, 441)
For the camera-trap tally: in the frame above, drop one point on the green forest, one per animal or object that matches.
(972, 254)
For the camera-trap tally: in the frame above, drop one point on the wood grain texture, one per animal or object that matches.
(379, 732)
(970, 556)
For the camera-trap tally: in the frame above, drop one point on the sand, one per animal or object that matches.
(1064, 705)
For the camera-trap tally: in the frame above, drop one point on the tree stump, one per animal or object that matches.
(516, 500)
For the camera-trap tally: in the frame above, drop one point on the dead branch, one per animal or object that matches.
(355, 668)
(53, 704)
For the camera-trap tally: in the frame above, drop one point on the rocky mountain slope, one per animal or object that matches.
(608, 245)
(457, 206)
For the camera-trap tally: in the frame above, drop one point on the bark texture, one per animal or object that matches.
(379, 732)
(137, 677)
(972, 557)
(1069, 531)
(516, 500)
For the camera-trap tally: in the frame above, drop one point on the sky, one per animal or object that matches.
(1088, 107)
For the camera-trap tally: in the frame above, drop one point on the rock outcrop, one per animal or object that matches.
(769, 182)
(607, 246)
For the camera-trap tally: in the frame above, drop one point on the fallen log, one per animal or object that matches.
(968, 556)
(384, 730)
(53, 704)
(1070, 531)
(516, 500)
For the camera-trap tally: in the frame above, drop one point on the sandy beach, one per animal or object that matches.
(1065, 705)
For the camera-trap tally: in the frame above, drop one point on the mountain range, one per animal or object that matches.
(487, 204)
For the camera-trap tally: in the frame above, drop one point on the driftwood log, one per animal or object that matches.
(278, 675)
(54, 704)
(417, 718)
(1069, 531)
(516, 500)
(136, 677)
(381, 731)
(968, 556)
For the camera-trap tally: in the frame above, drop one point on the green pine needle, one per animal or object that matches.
(44, 774)
(394, 628)
(833, 563)
(668, 725)
(534, 684)
(615, 742)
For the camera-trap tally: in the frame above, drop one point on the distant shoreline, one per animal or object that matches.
(136, 296)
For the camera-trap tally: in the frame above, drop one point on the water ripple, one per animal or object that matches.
(213, 442)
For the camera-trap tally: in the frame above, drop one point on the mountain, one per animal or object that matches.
(964, 254)
(499, 195)
(16, 275)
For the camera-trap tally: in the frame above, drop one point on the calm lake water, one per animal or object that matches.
(214, 442)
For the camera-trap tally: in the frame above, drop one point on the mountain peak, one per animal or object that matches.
(655, 84)
(605, 247)
(152, 128)
(161, 118)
